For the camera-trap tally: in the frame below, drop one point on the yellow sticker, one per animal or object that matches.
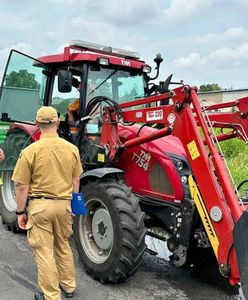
(193, 150)
(1, 181)
(101, 157)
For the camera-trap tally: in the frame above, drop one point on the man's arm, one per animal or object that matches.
(21, 199)
(75, 184)
(21, 196)
(70, 118)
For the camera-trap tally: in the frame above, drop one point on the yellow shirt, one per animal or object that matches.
(48, 167)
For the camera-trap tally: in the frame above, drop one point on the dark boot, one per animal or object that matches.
(67, 295)
(39, 296)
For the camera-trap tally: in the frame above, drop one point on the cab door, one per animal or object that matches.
(23, 91)
(23, 88)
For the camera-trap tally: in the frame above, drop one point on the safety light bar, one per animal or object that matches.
(78, 44)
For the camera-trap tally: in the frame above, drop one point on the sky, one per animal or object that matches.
(201, 41)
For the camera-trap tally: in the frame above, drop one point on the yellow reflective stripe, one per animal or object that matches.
(195, 194)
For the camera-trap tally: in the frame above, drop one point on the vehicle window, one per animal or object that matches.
(119, 85)
(99, 84)
(130, 87)
(61, 101)
(23, 87)
(22, 93)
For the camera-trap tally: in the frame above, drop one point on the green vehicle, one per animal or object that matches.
(4, 126)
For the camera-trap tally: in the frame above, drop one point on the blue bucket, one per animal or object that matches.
(78, 205)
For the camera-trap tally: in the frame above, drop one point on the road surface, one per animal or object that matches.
(156, 279)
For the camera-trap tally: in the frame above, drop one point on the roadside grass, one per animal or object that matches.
(236, 154)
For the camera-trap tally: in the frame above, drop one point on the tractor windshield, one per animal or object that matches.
(121, 86)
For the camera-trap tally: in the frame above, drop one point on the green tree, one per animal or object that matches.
(22, 79)
(210, 87)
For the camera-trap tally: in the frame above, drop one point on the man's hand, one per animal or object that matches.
(22, 221)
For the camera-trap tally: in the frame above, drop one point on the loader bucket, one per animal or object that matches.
(240, 237)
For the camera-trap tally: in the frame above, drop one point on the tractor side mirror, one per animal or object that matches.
(64, 81)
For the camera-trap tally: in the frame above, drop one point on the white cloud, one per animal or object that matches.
(170, 27)
(234, 33)
(73, 3)
(4, 53)
(188, 61)
(184, 9)
(224, 57)
(22, 47)
(104, 33)
(15, 22)
(210, 37)
(242, 3)
(123, 13)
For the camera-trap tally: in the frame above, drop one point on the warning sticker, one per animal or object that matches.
(193, 150)
(154, 115)
(100, 157)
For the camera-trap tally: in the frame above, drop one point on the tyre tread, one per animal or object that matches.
(131, 228)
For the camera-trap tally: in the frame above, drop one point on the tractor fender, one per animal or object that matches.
(100, 173)
(30, 129)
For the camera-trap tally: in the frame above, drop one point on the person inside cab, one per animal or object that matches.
(73, 110)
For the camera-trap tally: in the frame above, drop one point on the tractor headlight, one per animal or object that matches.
(179, 164)
(147, 69)
(103, 61)
(183, 169)
(184, 179)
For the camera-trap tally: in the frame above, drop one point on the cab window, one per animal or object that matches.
(23, 86)
(61, 101)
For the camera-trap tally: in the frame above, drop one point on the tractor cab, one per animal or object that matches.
(69, 80)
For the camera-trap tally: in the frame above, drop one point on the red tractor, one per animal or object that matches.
(149, 153)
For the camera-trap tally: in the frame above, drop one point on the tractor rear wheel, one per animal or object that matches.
(14, 143)
(110, 239)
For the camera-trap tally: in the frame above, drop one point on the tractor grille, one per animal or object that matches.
(159, 180)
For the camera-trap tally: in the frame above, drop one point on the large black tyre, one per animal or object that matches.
(110, 239)
(14, 143)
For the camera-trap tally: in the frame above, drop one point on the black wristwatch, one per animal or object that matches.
(19, 213)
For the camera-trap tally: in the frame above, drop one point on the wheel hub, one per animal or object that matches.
(102, 229)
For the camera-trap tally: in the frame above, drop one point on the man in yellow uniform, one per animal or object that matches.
(47, 173)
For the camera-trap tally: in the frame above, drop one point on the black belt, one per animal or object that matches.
(47, 198)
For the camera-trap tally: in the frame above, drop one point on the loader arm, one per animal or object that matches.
(237, 121)
(210, 185)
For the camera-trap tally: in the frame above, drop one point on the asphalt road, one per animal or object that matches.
(156, 279)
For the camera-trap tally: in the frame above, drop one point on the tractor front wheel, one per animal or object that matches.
(110, 239)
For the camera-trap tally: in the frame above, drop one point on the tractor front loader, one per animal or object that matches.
(150, 154)
(212, 197)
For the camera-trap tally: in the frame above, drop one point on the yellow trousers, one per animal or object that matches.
(49, 227)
